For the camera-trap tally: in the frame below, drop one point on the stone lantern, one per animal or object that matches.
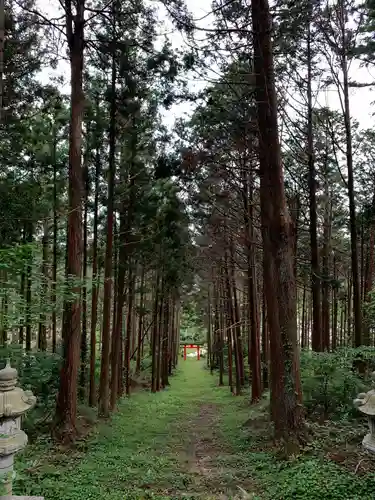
(14, 402)
(365, 402)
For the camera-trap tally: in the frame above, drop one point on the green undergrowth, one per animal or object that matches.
(313, 474)
(144, 451)
(129, 457)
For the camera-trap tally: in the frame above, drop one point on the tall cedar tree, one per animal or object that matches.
(66, 407)
(280, 281)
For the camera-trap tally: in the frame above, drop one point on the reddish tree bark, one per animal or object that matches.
(228, 328)
(265, 346)
(54, 251)
(104, 402)
(66, 407)
(236, 319)
(116, 359)
(95, 273)
(280, 283)
(29, 270)
(253, 313)
(42, 331)
(154, 339)
(326, 269)
(334, 306)
(129, 329)
(369, 272)
(219, 329)
(209, 327)
(159, 327)
(165, 342)
(231, 324)
(357, 309)
(303, 317)
(83, 371)
(140, 321)
(22, 293)
(316, 336)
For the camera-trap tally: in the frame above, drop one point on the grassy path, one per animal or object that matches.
(161, 446)
(189, 441)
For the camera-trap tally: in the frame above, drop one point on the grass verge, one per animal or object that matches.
(316, 474)
(135, 455)
(196, 440)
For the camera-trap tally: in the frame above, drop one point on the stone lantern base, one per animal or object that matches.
(369, 442)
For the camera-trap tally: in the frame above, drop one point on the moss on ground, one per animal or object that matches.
(193, 440)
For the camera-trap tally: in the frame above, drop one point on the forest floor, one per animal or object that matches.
(193, 440)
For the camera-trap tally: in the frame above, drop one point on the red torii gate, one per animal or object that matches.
(192, 346)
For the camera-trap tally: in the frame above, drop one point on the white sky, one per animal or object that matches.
(360, 99)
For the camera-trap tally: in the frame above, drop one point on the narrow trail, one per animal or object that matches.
(210, 479)
(168, 445)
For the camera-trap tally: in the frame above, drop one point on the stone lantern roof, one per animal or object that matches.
(14, 401)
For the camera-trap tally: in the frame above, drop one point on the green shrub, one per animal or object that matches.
(38, 372)
(330, 383)
(146, 364)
